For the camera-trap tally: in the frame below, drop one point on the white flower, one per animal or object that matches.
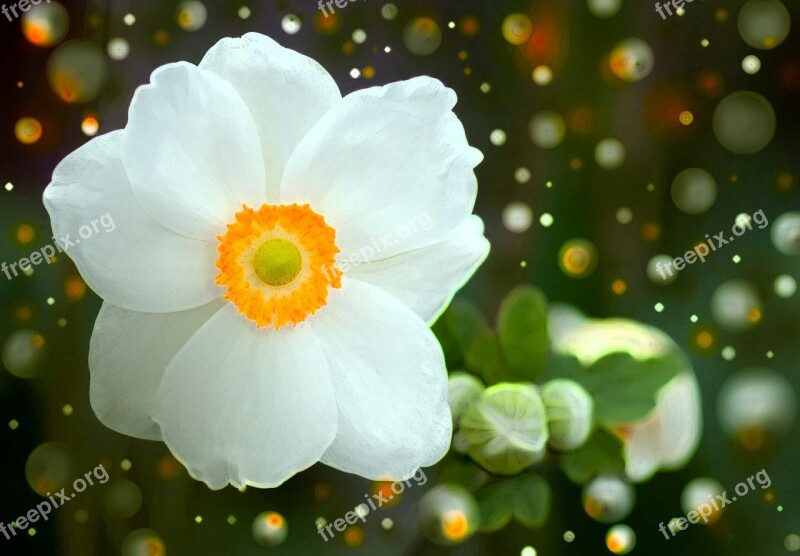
(227, 330)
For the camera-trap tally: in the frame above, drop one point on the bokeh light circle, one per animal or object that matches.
(632, 60)
(785, 233)
(694, 191)
(751, 64)
(24, 353)
(291, 24)
(744, 122)
(764, 24)
(49, 468)
(517, 28)
(608, 499)
(28, 130)
(191, 15)
(422, 36)
(517, 217)
(448, 514)
(604, 9)
(697, 493)
(542, 75)
(498, 137)
(46, 24)
(122, 499)
(660, 272)
(577, 258)
(118, 48)
(143, 542)
(785, 286)
(620, 539)
(547, 129)
(736, 305)
(389, 11)
(610, 154)
(270, 529)
(77, 71)
(755, 406)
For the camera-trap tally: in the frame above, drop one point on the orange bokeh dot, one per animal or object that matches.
(168, 467)
(455, 525)
(650, 232)
(74, 288)
(354, 536)
(161, 38)
(90, 125)
(785, 182)
(327, 25)
(26, 233)
(23, 313)
(469, 26)
(322, 491)
(384, 489)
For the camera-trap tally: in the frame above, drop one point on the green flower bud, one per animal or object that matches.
(569, 413)
(463, 389)
(506, 429)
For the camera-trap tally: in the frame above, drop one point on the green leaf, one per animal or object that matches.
(465, 323)
(522, 329)
(495, 506)
(526, 497)
(602, 453)
(483, 357)
(456, 329)
(452, 354)
(564, 365)
(461, 471)
(625, 389)
(532, 498)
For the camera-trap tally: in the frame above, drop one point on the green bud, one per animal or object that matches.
(569, 413)
(505, 430)
(462, 389)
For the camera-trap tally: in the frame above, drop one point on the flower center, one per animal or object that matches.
(277, 263)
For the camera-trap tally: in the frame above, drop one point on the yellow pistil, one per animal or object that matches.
(277, 263)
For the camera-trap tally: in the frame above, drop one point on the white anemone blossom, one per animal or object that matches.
(279, 254)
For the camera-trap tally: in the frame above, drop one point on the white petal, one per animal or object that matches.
(388, 167)
(286, 92)
(440, 434)
(192, 151)
(680, 415)
(669, 436)
(131, 260)
(427, 279)
(246, 405)
(128, 355)
(390, 380)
